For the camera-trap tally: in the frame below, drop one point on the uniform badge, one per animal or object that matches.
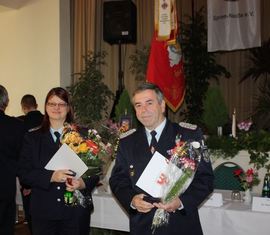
(188, 125)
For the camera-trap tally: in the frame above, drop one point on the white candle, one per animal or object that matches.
(234, 124)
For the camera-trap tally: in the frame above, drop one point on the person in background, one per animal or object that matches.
(12, 132)
(133, 155)
(50, 215)
(32, 118)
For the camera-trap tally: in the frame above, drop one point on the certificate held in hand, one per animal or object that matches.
(154, 176)
(66, 158)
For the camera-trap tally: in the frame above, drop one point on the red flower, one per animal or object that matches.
(93, 146)
(238, 172)
(250, 172)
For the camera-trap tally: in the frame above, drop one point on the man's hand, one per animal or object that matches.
(172, 206)
(140, 204)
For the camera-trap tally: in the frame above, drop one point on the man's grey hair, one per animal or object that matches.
(150, 86)
(3, 98)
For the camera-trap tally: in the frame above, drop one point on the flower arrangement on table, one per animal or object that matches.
(88, 145)
(256, 142)
(186, 157)
(247, 179)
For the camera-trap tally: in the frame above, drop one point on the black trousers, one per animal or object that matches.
(7, 216)
(26, 208)
(83, 217)
(54, 227)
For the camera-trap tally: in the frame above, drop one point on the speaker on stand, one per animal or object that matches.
(119, 27)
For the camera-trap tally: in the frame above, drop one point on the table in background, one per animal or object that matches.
(233, 218)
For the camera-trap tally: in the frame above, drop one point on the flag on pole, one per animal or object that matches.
(233, 24)
(165, 64)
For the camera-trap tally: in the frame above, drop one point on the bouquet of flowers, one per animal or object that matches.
(88, 145)
(244, 125)
(186, 157)
(247, 179)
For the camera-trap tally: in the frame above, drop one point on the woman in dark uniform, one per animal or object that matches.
(50, 215)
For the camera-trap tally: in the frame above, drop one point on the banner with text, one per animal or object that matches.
(233, 24)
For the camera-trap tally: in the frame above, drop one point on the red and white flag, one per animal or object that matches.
(165, 64)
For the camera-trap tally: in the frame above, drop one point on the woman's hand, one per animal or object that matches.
(74, 184)
(60, 176)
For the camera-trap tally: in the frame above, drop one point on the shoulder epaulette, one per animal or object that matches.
(188, 125)
(125, 134)
(34, 129)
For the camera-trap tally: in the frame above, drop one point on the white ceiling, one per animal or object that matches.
(13, 3)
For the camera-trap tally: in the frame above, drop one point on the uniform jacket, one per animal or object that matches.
(132, 158)
(11, 135)
(32, 119)
(47, 201)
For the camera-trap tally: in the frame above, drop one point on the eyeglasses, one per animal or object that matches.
(60, 105)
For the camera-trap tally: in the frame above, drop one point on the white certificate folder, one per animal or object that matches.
(66, 158)
(148, 181)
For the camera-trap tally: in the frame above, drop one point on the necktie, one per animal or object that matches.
(153, 144)
(57, 134)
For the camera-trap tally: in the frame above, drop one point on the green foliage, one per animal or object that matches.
(199, 65)
(90, 96)
(125, 107)
(224, 146)
(257, 143)
(261, 115)
(260, 57)
(139, 62)
(215, 111)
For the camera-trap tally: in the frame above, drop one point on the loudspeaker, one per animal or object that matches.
(119, 22)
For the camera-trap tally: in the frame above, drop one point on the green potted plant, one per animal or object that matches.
(215, 112)
(90, 96)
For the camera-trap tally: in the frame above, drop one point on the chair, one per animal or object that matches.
(224, 177)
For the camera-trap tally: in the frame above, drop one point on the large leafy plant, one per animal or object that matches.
(90, 96)
(260, 58)
(199, 65)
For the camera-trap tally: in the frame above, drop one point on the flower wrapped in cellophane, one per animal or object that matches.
(88, 145)
(181, 168)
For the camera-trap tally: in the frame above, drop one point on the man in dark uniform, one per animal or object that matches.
(133, 155)
(12, 132)
(32, 118)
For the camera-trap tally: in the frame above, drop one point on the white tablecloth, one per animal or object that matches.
(233, 218)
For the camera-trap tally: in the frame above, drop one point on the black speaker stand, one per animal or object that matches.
(121, 85)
